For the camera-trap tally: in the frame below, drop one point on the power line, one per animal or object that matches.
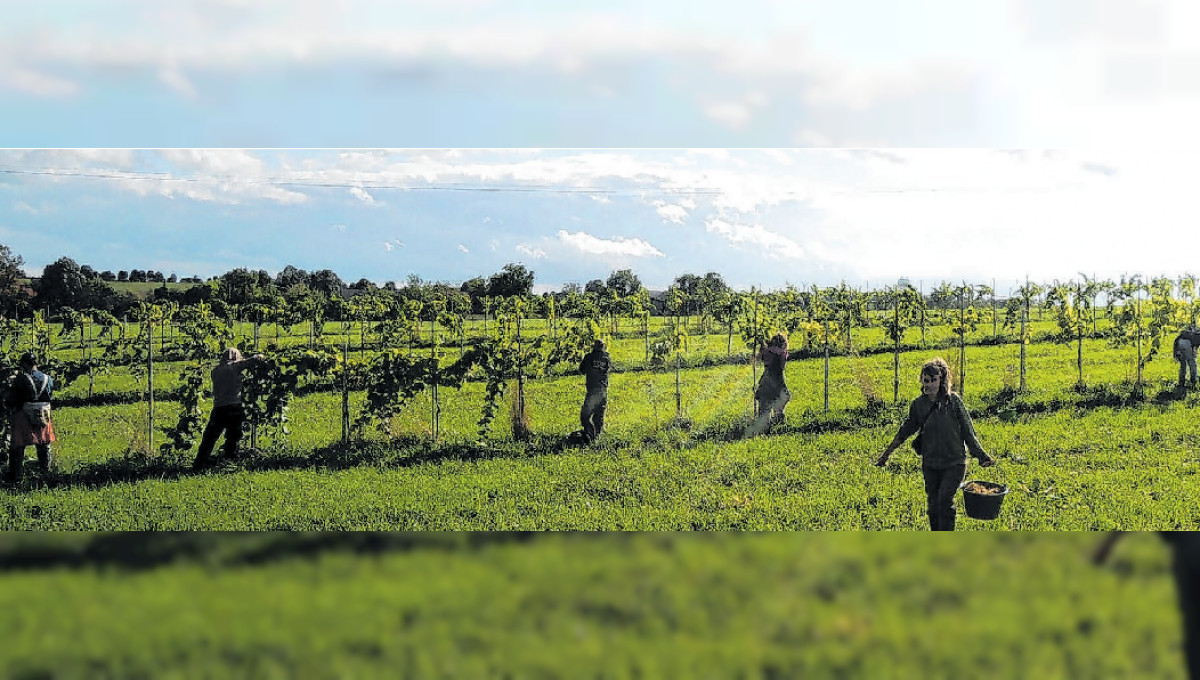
(466, 186)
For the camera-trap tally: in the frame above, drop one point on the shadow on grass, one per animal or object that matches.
(398, 453)
(135, 550)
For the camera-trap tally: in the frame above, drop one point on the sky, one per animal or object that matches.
(773, 141)
(619, 73)
(759, 217)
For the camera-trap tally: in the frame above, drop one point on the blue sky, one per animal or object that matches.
(471, 73)
(1114, 82)
(759, 217)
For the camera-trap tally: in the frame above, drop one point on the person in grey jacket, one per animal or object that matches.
(227, 413)
(945, 426)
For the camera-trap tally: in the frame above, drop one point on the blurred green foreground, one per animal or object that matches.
(303, 605)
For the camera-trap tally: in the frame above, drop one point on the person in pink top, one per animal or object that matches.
(772, 394)
(227, 413)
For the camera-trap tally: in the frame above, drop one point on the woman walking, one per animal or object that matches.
(29, 416)
(772, 394)
(941, 417)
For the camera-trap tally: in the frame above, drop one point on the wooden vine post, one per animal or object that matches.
(825, 323)
(754, 361)
(962, 340)
(150, 382)
(433, 382)
(345, 389)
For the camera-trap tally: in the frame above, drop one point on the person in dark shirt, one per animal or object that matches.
(941, 417)
(1186, 344)
(28, 385)
(772, 394)
(595, 367)
(227, 413)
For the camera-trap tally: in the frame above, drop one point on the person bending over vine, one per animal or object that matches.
(227, 413)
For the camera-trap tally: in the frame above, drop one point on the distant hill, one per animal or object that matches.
(144, 290)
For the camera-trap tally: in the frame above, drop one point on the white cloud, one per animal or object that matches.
(339, 227)
(586, 243)
(463, 249)
(227, 176)
(774, 245)
(230, 163)
(22, 206)
(387, 246)
(732, 114)
(535, 253)
(671, 213)
(36, 83)
(736, 113)
(601, 199)
(362, 195)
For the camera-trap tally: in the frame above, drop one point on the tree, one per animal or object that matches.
(62, 285)
(13, 292)
(906, 305)
(122, 276)
(137, 276)
(239, 287)
(477, 289)
(1017, 311)
(624, 283)
(1072, 305)
(107, 275)
(512, 279)
(595, 286)
(1131, 326)
(325, 281)
(290, 276)
(708, 291)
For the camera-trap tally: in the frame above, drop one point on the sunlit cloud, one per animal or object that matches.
(362, 195)
(535, 253)
(587, 243)
(773, 245)
(671, 213)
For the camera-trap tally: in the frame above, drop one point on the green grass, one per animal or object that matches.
(616, 606)
(1095, 458)
(144, 290)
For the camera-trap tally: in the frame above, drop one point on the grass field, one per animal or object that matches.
(601, 606)
(1097, 458)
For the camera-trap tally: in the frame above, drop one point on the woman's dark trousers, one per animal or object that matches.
(940, 487)
(16, 459)
(227, 419)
